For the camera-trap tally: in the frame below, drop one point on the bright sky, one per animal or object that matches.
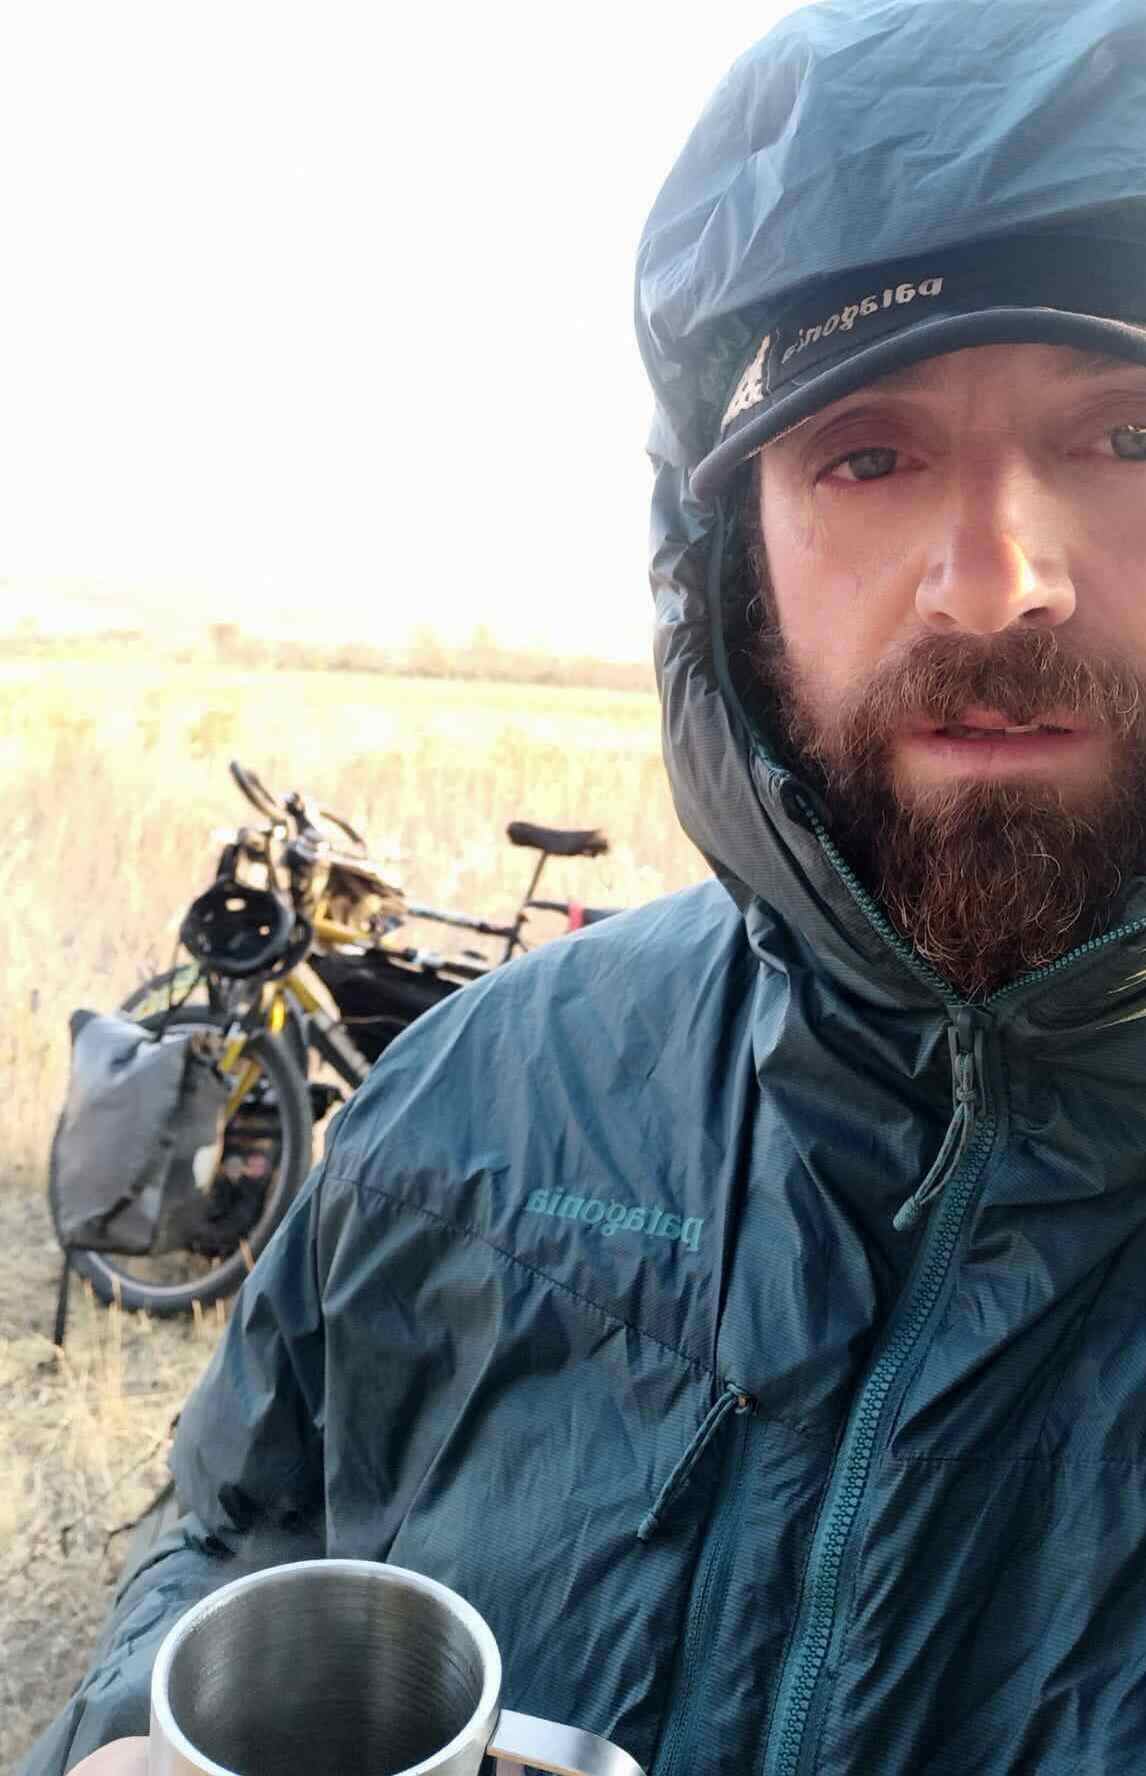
(320, 316)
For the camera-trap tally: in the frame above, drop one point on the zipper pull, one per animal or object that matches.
(965, 1041)
(733, 1399)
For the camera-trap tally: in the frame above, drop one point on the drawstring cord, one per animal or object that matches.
(733, 1399)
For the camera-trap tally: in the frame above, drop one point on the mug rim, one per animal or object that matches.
(485, 1711)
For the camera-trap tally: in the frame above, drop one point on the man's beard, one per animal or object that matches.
(987, 879)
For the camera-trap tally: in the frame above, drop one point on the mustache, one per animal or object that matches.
(1025, 674)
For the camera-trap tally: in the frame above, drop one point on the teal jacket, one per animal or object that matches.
(596, 1312)
(751, 1329)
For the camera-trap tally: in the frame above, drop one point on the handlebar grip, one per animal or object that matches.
(354, 836)
(577, 914)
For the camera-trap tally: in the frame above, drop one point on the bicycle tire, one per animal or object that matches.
(111, 1282)
(164, 993)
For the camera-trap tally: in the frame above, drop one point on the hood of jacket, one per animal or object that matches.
(997, 117)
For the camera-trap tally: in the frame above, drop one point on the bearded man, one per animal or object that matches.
(742, 1304)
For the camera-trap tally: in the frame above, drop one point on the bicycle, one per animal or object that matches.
(297, 961)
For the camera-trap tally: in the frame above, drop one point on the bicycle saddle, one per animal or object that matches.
(556, 841)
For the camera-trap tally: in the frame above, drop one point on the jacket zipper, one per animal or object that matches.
(955, 1142)
(954, 1177)
(815, 1619)
(711, 1589)
(965, 1036)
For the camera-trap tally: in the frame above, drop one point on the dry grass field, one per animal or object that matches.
(114, 788)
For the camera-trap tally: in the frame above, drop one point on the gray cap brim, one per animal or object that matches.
(806, 394)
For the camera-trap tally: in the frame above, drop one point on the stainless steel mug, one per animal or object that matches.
(346, 1667)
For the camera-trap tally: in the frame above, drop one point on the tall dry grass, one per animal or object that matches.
(114, 788)
(113, 780)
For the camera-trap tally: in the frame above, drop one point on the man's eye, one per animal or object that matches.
(865, 465)
(1129, 442)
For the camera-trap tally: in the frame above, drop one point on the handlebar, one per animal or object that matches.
(306, 817)
(357, 841)
(257, 792)
(307, 856)
(304, 814)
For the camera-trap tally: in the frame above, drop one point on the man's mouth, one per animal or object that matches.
(978, 723)
(984, 743)
(972, 731)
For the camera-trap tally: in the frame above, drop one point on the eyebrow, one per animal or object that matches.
(1081, 364)
(1099, 364)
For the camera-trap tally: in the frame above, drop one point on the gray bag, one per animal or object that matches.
(139, 1141)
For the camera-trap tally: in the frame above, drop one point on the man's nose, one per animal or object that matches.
(999, 561)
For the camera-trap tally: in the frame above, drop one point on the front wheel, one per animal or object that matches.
(266, 1156)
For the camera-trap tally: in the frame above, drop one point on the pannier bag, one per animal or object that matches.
(139, 1141)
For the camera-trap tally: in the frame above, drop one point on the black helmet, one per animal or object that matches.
(237, 930)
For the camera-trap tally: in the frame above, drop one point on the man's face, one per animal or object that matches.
(955, 553)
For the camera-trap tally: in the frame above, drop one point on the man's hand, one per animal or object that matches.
(123, 1757)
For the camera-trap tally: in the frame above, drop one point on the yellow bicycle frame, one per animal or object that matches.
(302, 985)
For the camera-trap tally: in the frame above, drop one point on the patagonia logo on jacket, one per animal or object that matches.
(618, 1217)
